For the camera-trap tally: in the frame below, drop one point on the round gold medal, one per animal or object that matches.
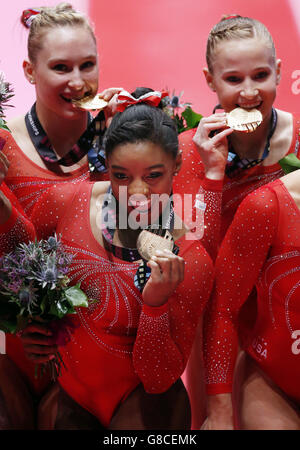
(148, 243)
(90, 103)
(244, 120)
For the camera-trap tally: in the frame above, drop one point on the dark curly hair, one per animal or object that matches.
(140, 123)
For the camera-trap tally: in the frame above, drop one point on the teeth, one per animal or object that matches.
(139, 204)
(90, 103)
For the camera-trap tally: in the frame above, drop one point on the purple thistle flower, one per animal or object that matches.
(174, 102)
(14, 286)
(24, 297)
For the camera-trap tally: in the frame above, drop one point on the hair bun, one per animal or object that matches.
(63, 7)
(230, 16)
(28, 15)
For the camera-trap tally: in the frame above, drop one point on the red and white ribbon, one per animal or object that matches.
(152, 98)
(28, 16)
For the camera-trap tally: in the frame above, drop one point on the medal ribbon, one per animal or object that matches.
(89, 143)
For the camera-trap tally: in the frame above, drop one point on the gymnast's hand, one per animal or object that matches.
(110, 96)
(220, 413)
(167, 272)
(38, 342)
(213, 150)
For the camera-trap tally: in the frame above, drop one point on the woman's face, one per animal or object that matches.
(245, 75)
(137, 172)
(66, 68)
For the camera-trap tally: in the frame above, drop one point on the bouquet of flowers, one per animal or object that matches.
(185, 120)
(6, 93)
(34, 286)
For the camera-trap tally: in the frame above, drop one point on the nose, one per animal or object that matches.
(76, 81)
(249, 90)
(138, 188)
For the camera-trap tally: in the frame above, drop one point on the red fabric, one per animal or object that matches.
(222, 198)
(120, 342)
(262, 247)
(15, 230)
(28, 181)
(17, 226)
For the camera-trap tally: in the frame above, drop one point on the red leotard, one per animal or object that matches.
(222, 198)
(262, 247)
(17, 228)
(28, 181)
(120, 342)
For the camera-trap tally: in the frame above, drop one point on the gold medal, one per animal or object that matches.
(244, 120)
(148, 243)
(90, 103)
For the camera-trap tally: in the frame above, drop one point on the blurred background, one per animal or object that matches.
(159, 44)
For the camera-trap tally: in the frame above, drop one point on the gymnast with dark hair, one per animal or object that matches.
(147, 278)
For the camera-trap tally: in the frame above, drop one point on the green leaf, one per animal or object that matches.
(62, 309)
(3, 125)
(57, 309)
(44, 304)
(290, 163)
(191, 117)
(76, 297)
(8, 326)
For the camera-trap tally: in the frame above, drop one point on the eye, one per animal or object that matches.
(154, 175)
(87, 65)
(261, 75)
(120, 176)
(60, 68)
(233, 79)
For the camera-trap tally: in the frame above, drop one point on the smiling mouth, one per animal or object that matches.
(71, 100)
(141, 206)
(250, 106)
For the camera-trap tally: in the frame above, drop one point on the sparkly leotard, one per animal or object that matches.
(218, 203)
(120, 342)
(222, 198)
(17, 228)
(262, 247)
(28, 181)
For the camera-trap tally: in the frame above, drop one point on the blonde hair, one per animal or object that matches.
(236, 27)
(39, 20)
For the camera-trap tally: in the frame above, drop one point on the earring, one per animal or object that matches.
(32, 81)
(175, 173)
